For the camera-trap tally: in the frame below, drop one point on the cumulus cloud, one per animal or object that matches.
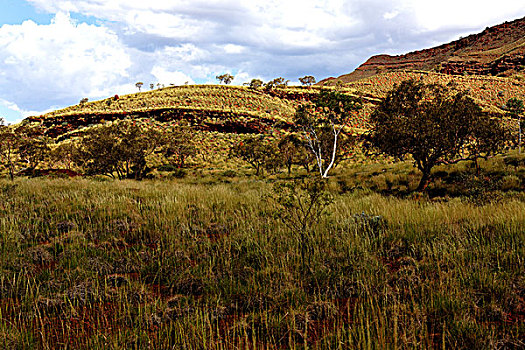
(44, 65)
(166, 77)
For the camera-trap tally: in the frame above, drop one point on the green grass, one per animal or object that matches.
(198, 264)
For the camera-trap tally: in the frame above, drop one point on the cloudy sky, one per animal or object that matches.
(55, 52)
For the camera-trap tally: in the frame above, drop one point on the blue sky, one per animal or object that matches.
(55, 52)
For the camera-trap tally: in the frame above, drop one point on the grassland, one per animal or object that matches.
(205, 263)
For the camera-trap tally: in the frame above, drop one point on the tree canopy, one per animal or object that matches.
(225, 78)
(322, 122)
(433, 126)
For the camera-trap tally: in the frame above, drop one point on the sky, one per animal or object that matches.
(53, 53)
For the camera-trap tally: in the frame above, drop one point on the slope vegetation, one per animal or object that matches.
(498, 50)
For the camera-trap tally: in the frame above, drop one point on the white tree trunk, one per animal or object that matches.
(334, 152)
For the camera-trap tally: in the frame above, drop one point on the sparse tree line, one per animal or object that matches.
(422, 122)
(124, 149)
(256, 83)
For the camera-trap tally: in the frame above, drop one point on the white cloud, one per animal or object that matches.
(59, 61)
(166, 77)
(13, 114)
(391, 15)
(233, 49)
(194, 40)
(433, 15)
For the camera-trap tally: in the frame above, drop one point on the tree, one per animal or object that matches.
(293, 151)
(431, 125)
(515, 110)
(120, 148)
(300, 206)
(8, 144)
(225, 78)
(307, 80)
(255, 150)
(178, 145)
(151, 86)
(32, 147)
(327, 114)
(276, 83)
(139, 85)
(64, 154)
(255, 83)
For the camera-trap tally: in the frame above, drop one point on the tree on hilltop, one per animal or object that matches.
(433, 126)
(276, 83)
(307, 80)
(225, 78)
(255, 83)
(139, 85)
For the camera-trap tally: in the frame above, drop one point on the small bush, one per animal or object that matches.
(510, 183)
(178, 173)
(229, 173)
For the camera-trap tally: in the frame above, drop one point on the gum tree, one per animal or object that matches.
(307, 80)
(433, 126)
(322, 122)
(225, 78)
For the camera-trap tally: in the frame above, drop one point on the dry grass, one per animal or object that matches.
(183, 264)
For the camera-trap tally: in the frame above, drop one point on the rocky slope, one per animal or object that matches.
(497, 51)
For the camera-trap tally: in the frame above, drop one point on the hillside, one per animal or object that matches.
(206, 107)
(498, 50)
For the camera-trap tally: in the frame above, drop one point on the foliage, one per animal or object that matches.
(225, 78)
(64, 154)
(276, 83)
(120, 148)
(8, 146)
(322, 121)
(294, 151)
(139, 85)
(300, 205)
(307, 80)
(257, 151)
(32, 147)
(515, 109)
(255, 83)
(425, 122)
(178, 144)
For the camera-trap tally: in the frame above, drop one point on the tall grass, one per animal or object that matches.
(175, 265)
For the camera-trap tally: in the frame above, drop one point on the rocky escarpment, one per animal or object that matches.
(498, 50)
(203, 120)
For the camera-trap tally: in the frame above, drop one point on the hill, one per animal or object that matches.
(206, 107)
(497, 51)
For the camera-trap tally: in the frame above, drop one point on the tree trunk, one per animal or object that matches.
(425, 180)
(519, 137)
(11, 171)
(334, 153)
(476, 163)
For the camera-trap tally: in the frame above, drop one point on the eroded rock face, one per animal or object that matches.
(494, 51)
